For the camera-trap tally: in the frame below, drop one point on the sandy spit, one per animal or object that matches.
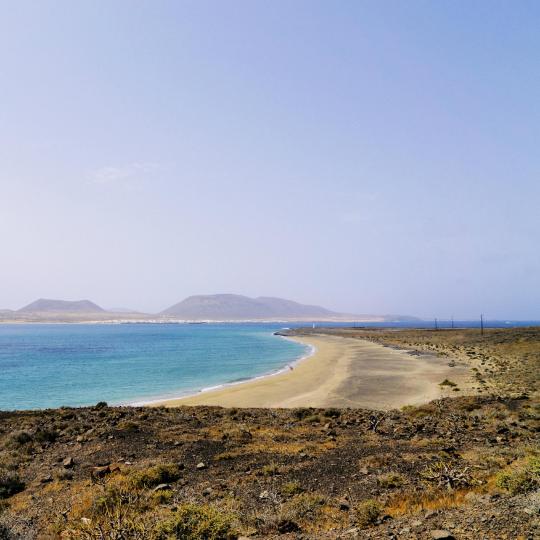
(343, 372)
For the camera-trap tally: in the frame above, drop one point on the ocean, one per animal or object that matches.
(54, 365)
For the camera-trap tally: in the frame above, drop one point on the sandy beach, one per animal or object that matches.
(343, 372)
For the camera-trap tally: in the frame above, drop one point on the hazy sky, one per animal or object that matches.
(372, 157)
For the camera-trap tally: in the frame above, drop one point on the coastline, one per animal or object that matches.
(341, 372)
(155, 402)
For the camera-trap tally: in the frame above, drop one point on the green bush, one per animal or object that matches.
(160, 474)
(197, 522)
(367, 513)
(521, 479)
(291, 488)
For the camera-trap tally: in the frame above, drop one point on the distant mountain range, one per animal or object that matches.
(215, 307)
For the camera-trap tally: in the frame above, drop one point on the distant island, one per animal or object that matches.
(199, 308)
(61, 306)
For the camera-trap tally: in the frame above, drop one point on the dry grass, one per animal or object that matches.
(415, 502)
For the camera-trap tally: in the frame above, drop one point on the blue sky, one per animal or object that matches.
(373, 157)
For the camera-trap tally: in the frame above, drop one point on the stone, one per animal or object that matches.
(441, 534)
(100, 472)
(68, 462)
(46, 479)
(201, 466)
(264, 495)
(162, 487)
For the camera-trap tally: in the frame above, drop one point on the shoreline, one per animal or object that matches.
(341, 372)
(155, 402)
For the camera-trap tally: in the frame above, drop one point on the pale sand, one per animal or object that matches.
(343, 372)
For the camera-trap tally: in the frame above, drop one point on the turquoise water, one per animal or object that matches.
(45, 366)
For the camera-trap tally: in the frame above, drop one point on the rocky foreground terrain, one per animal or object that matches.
(460, 467)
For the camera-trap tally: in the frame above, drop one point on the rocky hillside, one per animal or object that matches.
(457, 468)
(460, 467)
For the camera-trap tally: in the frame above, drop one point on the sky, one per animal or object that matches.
(368, 156)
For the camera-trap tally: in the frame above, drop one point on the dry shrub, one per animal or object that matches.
(390, 480)
(447, 474)
(159, 474)
(522, 477)
(10, 483)
(291, 488)
(430, 499)
(197, 522)
(366, 513)
(303, 506)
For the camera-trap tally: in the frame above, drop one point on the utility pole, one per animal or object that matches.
(436, 324)
(481, 324)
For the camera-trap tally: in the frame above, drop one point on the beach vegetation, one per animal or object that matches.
(390, 480)
(271, 469)
(447, 382)
(128, 426)
(303, 506)
(291, 488)
(521, 477)
(414, 501)
(153, 476)
(332, 413)
(163, 496)
(18, 438)
(312, 419)
(301, 413)
(447, 474)
(197, 522)
(45, 435)
(367, 512)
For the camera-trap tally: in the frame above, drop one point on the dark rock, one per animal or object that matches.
(287, 526)
(100, 472)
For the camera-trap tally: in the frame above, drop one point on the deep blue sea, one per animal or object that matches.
(51, 365)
